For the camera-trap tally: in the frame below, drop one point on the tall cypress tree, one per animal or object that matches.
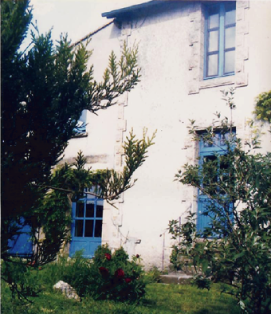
(44, 91)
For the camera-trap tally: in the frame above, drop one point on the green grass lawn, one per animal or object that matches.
(160, 298)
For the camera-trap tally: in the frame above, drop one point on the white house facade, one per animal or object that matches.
(188, 52)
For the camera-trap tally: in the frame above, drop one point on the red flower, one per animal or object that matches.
(40, 268)
(107, 256)
(127, 280)
(103, 271)
(119, 273)
(137, 255)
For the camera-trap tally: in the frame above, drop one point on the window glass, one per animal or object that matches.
(229, 61)
(213, 17)
(98, 229)
(89, 209)
(89, 228)
(212, 65)
(80, 209)
(99, 211)
(78, 228)
(230, 37)
(220, 39)
(88, 217)
(213, 41)
(230, 14)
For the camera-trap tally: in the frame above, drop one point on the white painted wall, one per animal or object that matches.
(101, 128)
(162, 102)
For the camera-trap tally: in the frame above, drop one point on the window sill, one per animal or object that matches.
(80, 135)
(239, 80)
(217, 81)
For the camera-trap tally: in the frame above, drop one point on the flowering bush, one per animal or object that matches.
(117, 278)
(107, 256)
(108, 276)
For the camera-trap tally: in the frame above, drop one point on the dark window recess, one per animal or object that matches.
(89, 228)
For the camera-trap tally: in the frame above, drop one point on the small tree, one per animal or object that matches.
(43, 93)
(263, 107)
(235, 247)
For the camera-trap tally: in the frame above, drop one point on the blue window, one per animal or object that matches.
(211, 151)
(21, 244)
(81, 124)
(87, 220)
(220, 21)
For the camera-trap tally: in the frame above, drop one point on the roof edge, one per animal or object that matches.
(91, 34)
(146, 5)
(125, 10)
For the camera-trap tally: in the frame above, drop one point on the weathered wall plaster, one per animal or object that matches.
(170, 93)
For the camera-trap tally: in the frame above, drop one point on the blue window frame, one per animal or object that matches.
(210, 151)
(220, 22)
(87, 220)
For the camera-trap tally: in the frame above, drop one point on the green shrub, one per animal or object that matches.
(153, 275)
(175, 258)
(107, 277)
(22, 278)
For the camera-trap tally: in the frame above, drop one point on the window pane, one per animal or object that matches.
(229, 61)
(213, 20)
(98, 229)
(212, 65)
(211, 158)
(89, 228)
(80, 209)
(99, 211)
(230, 37)
(78, 228)
(89, 209)
(213, 41)
(230, 14)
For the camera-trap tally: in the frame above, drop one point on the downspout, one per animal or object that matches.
(163, 250)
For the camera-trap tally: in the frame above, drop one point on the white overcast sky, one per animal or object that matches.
(75, 17)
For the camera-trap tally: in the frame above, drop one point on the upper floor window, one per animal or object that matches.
(80, 128)
(220, 39)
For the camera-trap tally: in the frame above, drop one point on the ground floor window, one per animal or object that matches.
(212, 150)
(87, 222)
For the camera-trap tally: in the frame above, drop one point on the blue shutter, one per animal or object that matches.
(21, 244)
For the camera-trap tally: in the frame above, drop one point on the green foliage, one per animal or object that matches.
(235, 247)
(112, 183)
(263, 107)
(153, 275)
(22, 282)
(107, 277)
(174, 258)
(159, 299)
(43, 93)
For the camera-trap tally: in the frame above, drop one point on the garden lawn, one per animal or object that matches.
(160, 298)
